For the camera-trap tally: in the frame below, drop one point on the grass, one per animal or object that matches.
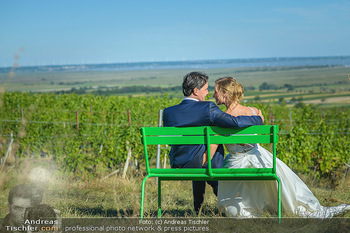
(115, 196)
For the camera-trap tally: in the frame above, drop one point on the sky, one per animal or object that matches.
(48, 32)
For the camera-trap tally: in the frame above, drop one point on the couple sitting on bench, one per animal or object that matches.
(237, 198)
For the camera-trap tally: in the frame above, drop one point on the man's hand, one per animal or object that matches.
(261, 115)
(213, 148)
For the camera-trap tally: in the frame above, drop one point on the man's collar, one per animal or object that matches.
(188, 98)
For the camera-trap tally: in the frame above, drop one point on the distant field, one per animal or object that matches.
(279, 76)
(313, 84)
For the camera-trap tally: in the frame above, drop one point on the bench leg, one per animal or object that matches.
(142, 196)
(159, 197)
(279, 200)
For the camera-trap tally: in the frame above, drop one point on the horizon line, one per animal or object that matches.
(17, 66)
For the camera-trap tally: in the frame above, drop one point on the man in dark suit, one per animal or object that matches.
(195, 111)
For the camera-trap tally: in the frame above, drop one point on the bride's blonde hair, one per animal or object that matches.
(230, 87)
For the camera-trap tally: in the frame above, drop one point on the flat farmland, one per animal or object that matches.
(323, 85)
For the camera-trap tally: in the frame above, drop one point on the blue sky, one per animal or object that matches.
(84, 31)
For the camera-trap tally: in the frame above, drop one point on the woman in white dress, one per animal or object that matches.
(252, 198)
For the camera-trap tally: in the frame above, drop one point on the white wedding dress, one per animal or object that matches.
(252, 198)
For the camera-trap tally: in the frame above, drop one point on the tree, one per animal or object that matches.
(266, 86)
(289, 87)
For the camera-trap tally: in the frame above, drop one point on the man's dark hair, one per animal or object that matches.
(26, 191)
(193, 80)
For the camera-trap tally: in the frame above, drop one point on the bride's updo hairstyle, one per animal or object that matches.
(231, 88)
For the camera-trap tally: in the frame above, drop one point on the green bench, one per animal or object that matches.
(209, 135)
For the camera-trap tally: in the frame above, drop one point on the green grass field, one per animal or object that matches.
(115, 196)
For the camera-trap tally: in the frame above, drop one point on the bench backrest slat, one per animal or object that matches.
(200, 130)
(216, 139)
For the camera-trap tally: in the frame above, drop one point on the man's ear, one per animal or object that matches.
(195, 91)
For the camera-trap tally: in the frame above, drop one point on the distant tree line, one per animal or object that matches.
(106, 91)
(102, 90)
(290, 87)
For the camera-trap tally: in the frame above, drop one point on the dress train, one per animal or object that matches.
(252, 198)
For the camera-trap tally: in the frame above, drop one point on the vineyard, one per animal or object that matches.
(90, 136)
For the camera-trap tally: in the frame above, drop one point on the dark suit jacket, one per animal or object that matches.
(200, 113)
